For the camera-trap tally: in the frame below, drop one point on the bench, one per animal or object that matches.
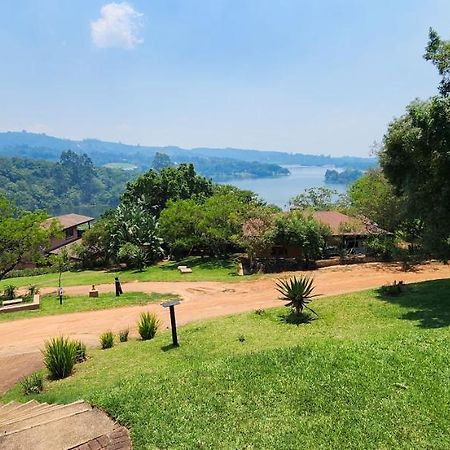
(16, 301)
(184, 269)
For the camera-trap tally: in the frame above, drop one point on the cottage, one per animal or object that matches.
(70, 224)
(348, 233)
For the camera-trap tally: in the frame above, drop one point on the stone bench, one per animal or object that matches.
(20, 306)
(16, 301)
(184, 269)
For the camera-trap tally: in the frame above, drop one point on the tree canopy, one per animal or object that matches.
(23, 238)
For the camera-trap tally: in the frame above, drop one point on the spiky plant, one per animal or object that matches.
(298, 292)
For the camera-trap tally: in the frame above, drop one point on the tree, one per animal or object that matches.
(137, 231)
(301, 230)
(438, 52)
(415, 160)
(154, 189)
(161, 161)
(373, 196)
(23, 238)
(258, 234)
(317, 199)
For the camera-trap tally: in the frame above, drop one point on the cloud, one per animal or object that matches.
(118, 26)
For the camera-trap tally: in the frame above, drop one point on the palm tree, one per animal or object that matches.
(298, 292)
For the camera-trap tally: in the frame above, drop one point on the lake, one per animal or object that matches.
(280, 190)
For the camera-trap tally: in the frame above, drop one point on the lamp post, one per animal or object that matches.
(171, 305)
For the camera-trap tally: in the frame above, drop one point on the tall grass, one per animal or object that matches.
(148, 325)
(59, 357)
(106, 340)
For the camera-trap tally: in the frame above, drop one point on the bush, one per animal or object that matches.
(80, 352)
(10, 292)
(106, 340)
(34, 384)
(59, 357)
(148, 325)
(123, 335)
(393, 290)
(298, 292)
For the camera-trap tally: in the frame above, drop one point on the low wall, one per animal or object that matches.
(35, 304)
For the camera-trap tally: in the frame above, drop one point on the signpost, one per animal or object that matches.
(171, 305)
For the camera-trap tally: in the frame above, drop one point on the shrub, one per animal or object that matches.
(106, 340)
(34, 384)
(59, 357)
(298, 292)
(393, 290)
(10, 292)
(148, 325)
(123, 335)
(80, 352)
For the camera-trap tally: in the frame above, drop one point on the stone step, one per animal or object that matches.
(47, 416)
(6, 406)
(16, 407)
(31, 412)
(60, 433)
(19, 412)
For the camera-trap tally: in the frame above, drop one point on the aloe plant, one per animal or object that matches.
(298, 292)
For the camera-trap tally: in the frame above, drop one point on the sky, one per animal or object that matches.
(322, 77)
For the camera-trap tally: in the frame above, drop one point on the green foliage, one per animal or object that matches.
(382, 246)
(345, 177)
(148, 325)
(59, 357)
(258, 236)
(80, 351)
(212, 225)
(134, 236)
(373, 196)
(33, 384)
(298, 292)
(72, 184)
(317, 199)
(106, 340)
(301, 230)
(154, 189)
(415, 161)
(438, 52)
(10, 292)
(161, 161)
(22, 236)
(123, 335)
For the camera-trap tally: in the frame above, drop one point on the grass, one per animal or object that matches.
(206, 269)
(50, 304)
(370, 373)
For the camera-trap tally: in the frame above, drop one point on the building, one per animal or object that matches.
(348, 233)
(70, 224)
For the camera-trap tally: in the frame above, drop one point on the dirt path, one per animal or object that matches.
(21, 340)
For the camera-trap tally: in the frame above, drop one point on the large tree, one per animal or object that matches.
(154, 189)
(23, 238)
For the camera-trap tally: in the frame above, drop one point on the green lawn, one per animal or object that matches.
(370, 373)
(50, 304)
(206, 269)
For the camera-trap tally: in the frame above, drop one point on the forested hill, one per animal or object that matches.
(41, 146)
(73, 184)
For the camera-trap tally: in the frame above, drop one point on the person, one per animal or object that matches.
(118, 287)
(60, 294)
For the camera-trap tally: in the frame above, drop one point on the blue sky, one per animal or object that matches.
(302, 76)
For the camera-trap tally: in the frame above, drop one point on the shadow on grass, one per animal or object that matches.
(168, 347)
(294, 319)
(429, 303)
(205, 263)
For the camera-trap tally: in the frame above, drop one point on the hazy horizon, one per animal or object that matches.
(321, 77)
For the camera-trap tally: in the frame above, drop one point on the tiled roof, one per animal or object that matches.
(70, 220)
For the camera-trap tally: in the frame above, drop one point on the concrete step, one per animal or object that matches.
(47, 416)
(60, 433)
(16, 407)
(31, 412)
(6, 406)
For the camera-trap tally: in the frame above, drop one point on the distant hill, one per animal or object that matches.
(218, 163)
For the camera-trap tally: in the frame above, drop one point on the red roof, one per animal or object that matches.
(341, 224)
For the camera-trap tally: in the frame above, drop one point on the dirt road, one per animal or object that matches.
(21, 340)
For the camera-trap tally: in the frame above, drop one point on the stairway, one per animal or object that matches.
(76, 426)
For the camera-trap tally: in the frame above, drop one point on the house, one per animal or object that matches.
(348, 233)
(70, 224)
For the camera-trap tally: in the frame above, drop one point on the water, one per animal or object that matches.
(279, 191)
